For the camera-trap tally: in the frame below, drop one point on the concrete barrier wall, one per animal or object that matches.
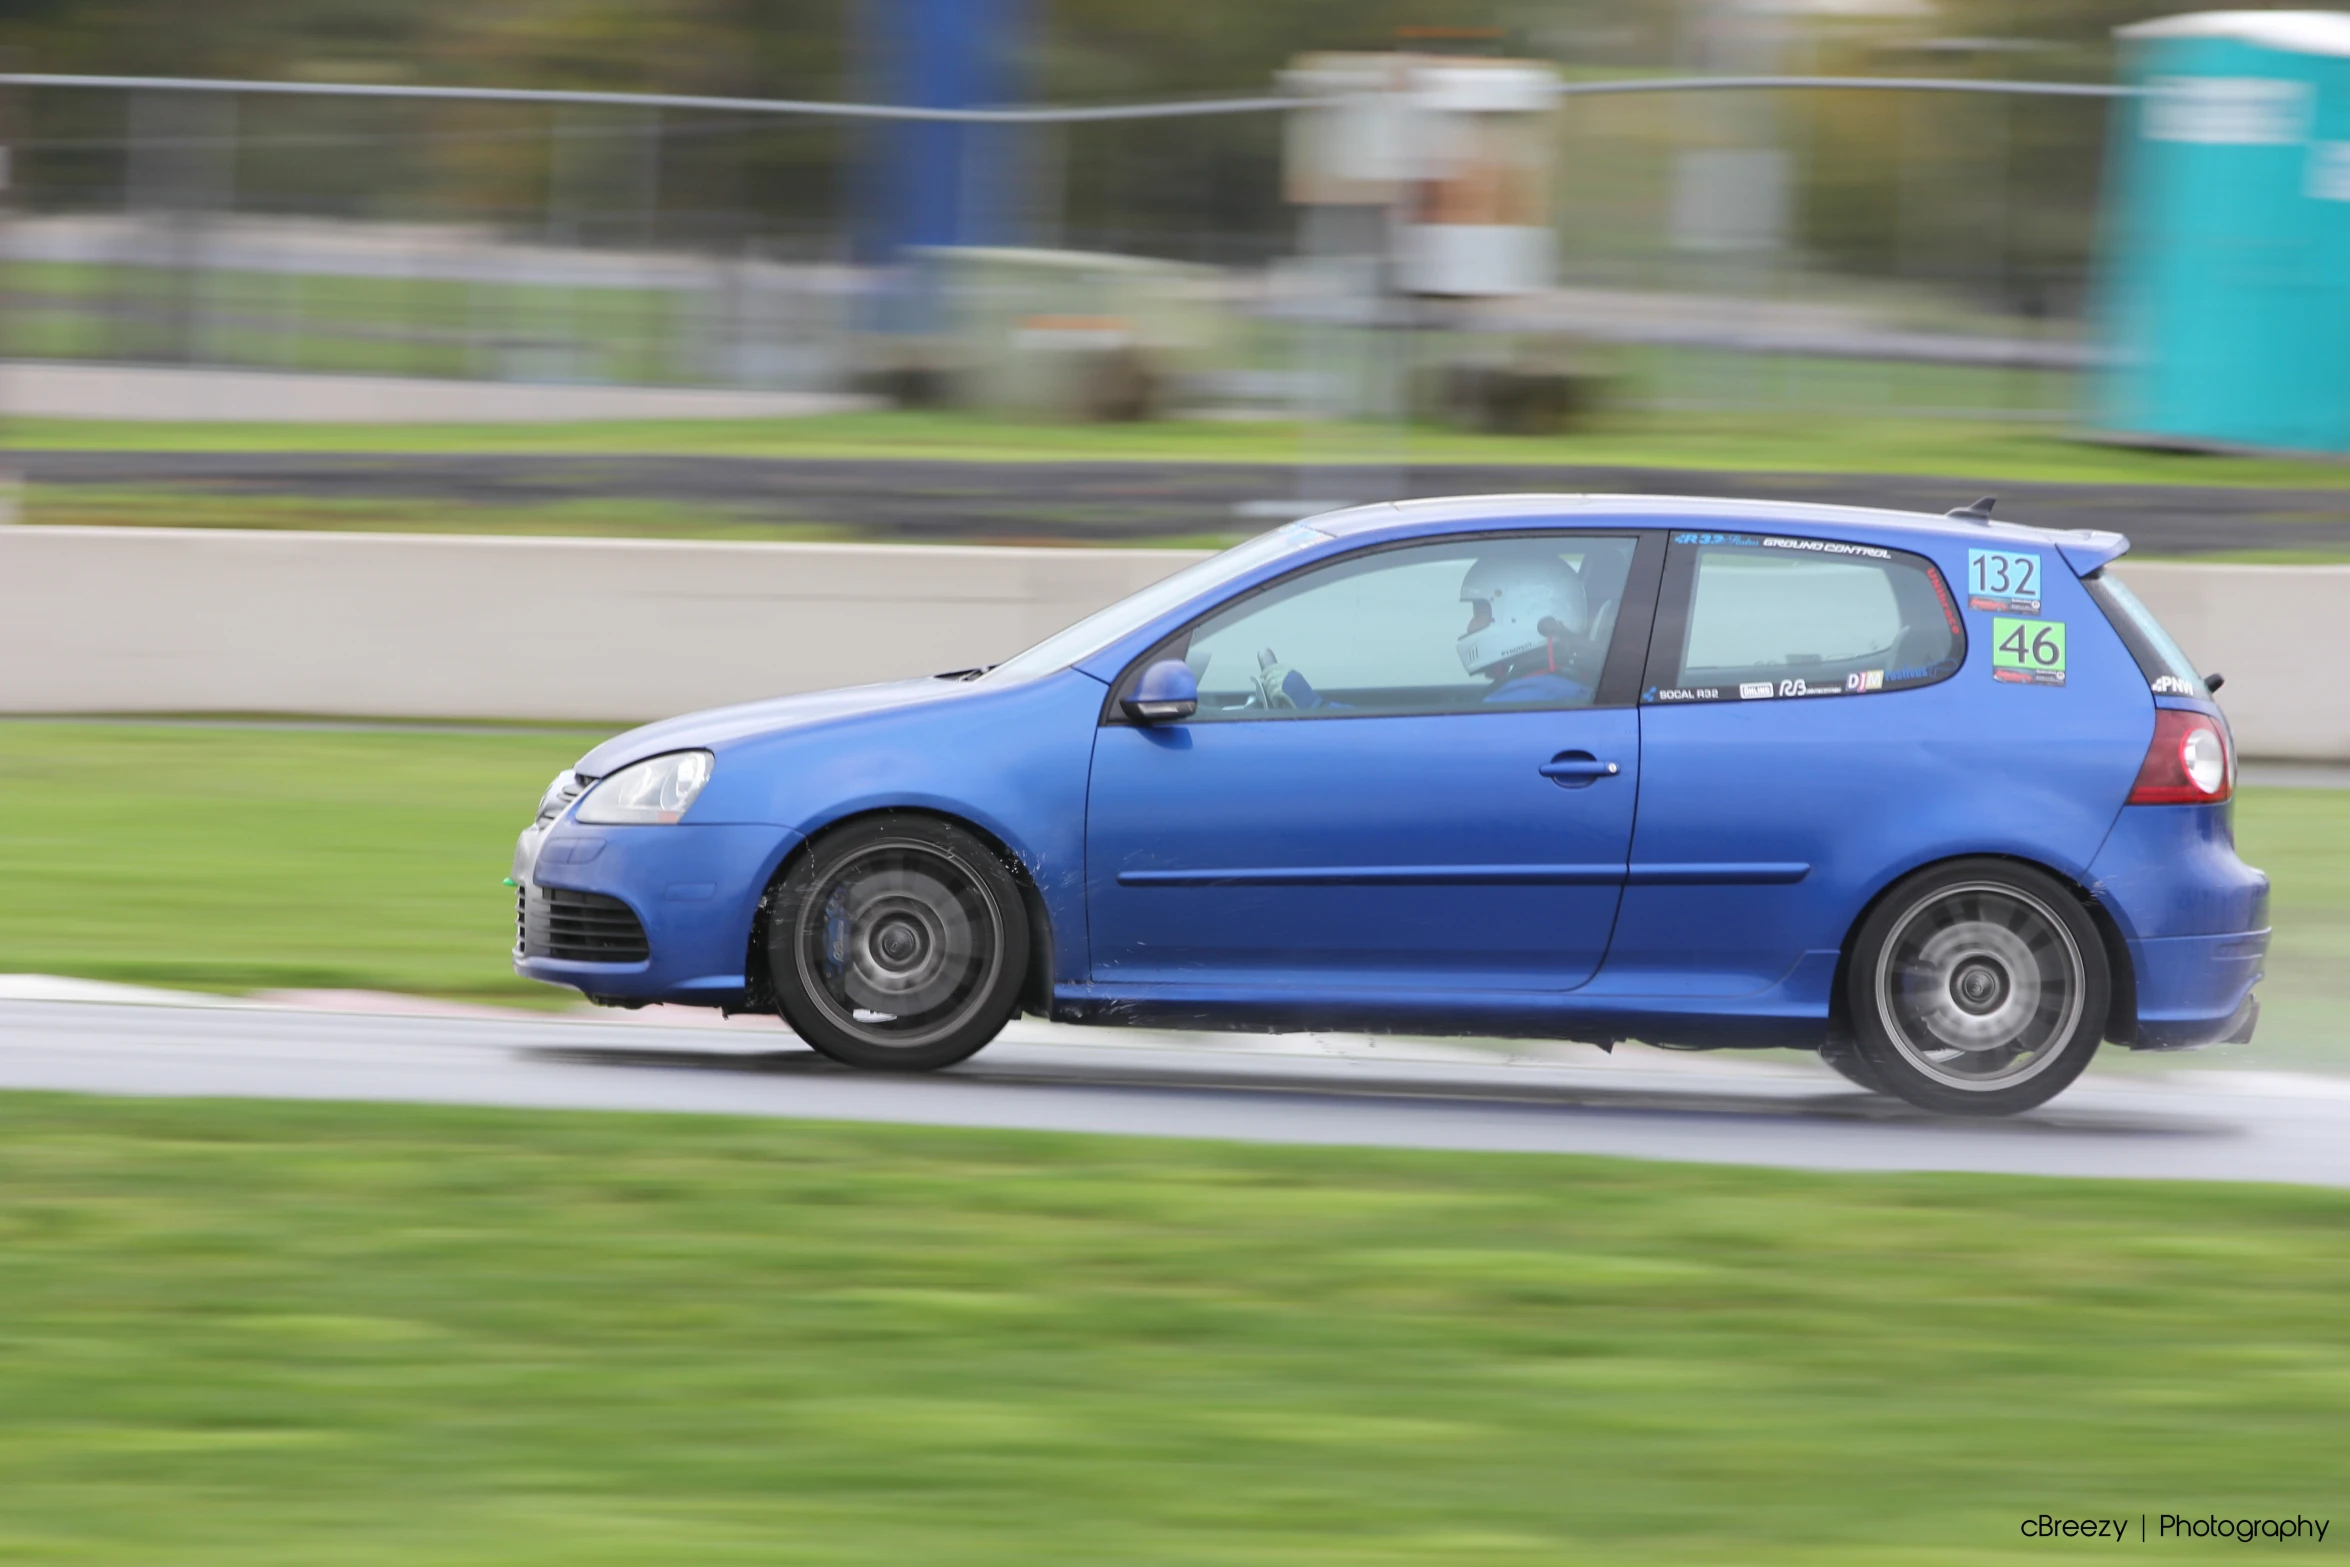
(97, 620)
(160, 620)
(2281, 634)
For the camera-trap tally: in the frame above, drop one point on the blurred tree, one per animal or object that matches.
(1992, 199)
(488, 162)
(1210, 190)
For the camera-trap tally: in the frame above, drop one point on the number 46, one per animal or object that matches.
(2044, 646)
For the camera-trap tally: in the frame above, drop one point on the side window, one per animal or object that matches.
(1750, 616)
(1464, 625)
(2165, 665)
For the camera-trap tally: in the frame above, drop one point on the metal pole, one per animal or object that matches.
(11, 132)
(215, 209)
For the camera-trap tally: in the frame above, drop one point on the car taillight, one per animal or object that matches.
(2188, 763)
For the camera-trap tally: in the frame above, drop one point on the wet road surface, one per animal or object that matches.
(2213, 1125)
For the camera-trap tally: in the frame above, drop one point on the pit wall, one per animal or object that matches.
(164, 620)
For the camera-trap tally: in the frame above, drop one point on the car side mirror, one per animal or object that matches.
(1167, 691)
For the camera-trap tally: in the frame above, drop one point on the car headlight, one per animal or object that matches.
(653, 792)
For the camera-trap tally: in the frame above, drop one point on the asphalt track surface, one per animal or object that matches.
(1124, 502)
(2210, 1125)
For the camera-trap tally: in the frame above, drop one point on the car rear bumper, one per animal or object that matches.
(2194, 918)
(2197, 990)
(2171, 870)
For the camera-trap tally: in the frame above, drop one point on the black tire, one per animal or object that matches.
(1979, 987)
(898, 944)
(1843, 1053)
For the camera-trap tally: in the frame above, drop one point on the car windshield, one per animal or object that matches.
(1103, 627)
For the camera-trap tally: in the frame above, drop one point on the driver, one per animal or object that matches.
(1523, 607)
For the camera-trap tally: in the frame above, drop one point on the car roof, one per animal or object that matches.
(2084, 548)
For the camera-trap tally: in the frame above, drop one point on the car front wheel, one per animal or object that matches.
(1978, 988)
(898, 943)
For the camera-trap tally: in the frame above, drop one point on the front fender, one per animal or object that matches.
(1011, 762)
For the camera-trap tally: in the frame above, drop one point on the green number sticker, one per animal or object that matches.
(2027, 652)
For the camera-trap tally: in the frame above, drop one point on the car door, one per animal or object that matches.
(1351, 805)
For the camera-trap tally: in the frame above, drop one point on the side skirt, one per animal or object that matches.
(1761, 1022)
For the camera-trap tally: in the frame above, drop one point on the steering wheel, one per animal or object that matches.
(1272, 679)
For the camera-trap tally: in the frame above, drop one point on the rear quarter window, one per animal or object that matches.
(1749, 616)
(2162, 661)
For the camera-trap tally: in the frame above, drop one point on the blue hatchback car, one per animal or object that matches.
(1932, 795)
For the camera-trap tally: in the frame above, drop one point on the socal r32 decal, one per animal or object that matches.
(2027, 652)
(2003, 580)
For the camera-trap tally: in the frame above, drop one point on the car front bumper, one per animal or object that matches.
(694, 888)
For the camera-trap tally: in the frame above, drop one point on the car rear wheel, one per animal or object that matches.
(898, 943)
(1978, 988)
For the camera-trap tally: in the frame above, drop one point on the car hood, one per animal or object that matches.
(714, 727)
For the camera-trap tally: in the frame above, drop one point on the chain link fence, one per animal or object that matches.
(1779, 244)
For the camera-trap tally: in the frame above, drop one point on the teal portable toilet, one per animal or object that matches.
(2224, 306)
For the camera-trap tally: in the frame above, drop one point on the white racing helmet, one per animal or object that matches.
(1515, 594)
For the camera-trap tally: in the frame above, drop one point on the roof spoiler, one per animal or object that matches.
(2083, 549)
(2087, 549)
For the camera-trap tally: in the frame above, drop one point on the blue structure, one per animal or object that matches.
(2226, 253)
(1553, 766)
(936, 182)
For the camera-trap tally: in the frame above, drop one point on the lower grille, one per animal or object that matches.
(579, 927)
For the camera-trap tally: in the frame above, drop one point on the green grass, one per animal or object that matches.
(1680, 381)
(266, 858)
(2301, 837)
(298, 1334)
(1793, 442)
(250, 858)
(346, 325)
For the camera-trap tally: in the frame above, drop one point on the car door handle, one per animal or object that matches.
(1576, 769)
